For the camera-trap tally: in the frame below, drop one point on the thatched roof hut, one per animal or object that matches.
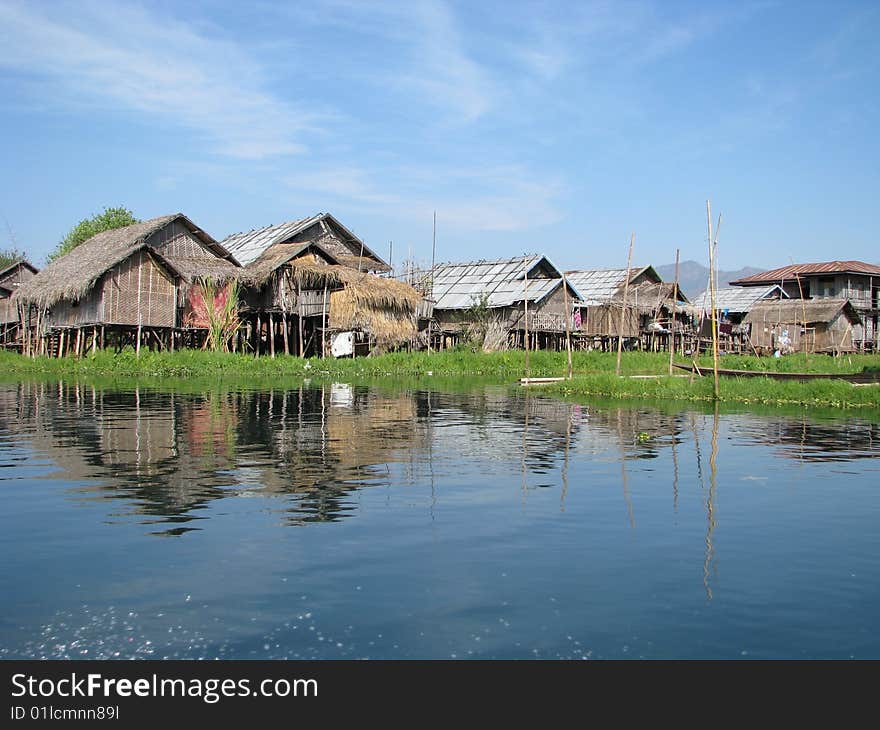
(11, 279)
(73, 275)
(135, 275)
(812, 325)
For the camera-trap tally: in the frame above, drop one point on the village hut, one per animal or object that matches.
(801, 325)
(311, 287)
(486, 303)
(856, 281)
(132, 285)
(732, 304)
(11, 279)
(647, 313)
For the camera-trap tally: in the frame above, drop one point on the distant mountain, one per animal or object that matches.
(693, 278)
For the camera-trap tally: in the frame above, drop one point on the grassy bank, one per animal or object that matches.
(593, 372)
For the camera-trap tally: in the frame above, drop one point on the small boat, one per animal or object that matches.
(539, 381)
(863, 377)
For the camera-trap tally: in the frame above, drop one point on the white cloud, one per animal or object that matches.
(504, 198)
(127, 57)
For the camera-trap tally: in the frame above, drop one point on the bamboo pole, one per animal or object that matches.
(712, 295)
(324, 314)
(526, 342)
(632, 240)
(672, 320)
(271, 329)
(803, 314)
(567, 323)
(299, 306)
(259, 337)
(284, 324)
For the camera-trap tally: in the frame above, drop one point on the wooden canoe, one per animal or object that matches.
(868, 377)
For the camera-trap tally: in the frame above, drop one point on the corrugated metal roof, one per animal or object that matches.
(248, 246)
(737, 299)
(793, 271)
(459, 286)
(598, 286)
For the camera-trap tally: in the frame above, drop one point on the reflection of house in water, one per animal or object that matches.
(168, 456)
(816, 441)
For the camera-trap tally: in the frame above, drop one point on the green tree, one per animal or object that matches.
(108, 220)
(10, 256)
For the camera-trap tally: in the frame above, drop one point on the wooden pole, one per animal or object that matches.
(271, 334)
(567, 323)
(102, 337)
(527, 341)
(61, 344)
(300, 317)
(672, 320)
(803, 313)
(284, 324)
(433, 263)
(712, 296)
(324, 314)
(138, 344)
(78, 348)
(632, 240)
(94, 338)
(259, 337)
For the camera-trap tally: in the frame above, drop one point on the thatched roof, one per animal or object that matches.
(649, 296)
(793, 311)
(383, 307)
(74, 274)
(261, 269)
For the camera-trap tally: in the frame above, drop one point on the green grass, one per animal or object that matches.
(593, 372)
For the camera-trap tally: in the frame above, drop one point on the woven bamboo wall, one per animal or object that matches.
(604, 320)
(138, 291)
(177, 240)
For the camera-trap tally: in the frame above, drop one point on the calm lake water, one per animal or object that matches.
(344, 521)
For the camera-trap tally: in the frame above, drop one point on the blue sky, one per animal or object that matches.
(551, 127)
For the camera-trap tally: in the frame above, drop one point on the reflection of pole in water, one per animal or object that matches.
(430, 432)
(626, 497)
(710, 505)
(565, 463)
(674, 467)
(323, 428)
(697, 449)
(525, 440)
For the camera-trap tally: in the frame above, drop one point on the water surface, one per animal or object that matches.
(340, 521)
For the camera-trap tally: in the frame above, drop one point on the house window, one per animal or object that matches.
(826, 287)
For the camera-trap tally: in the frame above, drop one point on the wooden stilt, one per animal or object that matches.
(61, 344)
(272, 334)
(259, 336)
(324, 323)
(137, 344)
(300, 317)
(94, 339)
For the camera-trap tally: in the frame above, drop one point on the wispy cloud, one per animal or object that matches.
(424, 56)
(135, 60)
(502, 198)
